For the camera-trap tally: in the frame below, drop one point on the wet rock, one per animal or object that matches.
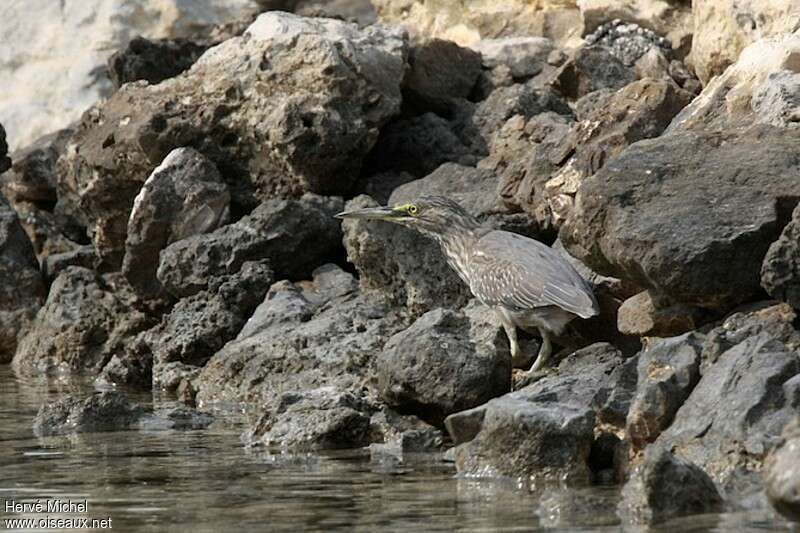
(179, 418)
(777, 100)
(665, 486)
(398, 434)
(668, 370)
(294, 236)
(650, 199)
(781, 475)
(591, 68)
(439, 72)
(444, 363)
(265, 107)
(638, 315)
(524, 56)
(21, 287)
(780, 272)
(724, 27)
(627, 42)
(200, 325)
(86, 319)
(734, 416)
(291, 344)
(102, 411)
(321, 418)
(184, 196)
(152, 60)
(449, 20)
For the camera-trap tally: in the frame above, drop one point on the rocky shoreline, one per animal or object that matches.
(179, 237)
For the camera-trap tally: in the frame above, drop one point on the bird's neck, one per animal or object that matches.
(457, 246)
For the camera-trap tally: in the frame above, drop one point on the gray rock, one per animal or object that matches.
(56, 263)
(638, 315)
(668, 370)
(664, 486)
(265, 107)
(294, 236)
(102, 411)
(524, 56)
(782, 474)
(734, 416)
(780, 271)
(403, 433)
(33, 175)
(578, 508)
(179, 418)
(654, 198)
(132, 366)
(444, 363)
(627, 42)
(439, 73)
(86, 319)
(777, 100)
(5, 161)
(152, 60)
(184, 196)
(591, 68)
(315, 419)
(21, 287)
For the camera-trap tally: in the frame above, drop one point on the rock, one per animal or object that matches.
(723, 28)
(627, 42)
(440, 71)
(55, 62)
(555, 19)
(33, 176)
(86, 319)
(780, 271)
(668, 370)
(777, 100)
(638, 315)
(56, 263)
(524, 56)
(380, 186)
(653, 64)
(360, 11)
(589, 69)
(577, 508)
(179, 418)
(200, 325)
(152, 60)
(734, 416)
(444, 363)
(781, 476)
(664, 486)
(131, 367)
(265, 107)
(102, 411)
(291, 345)
(316, 419)
(403, 433)
(184, 196)
(747, 91)
(294, 236)
(513, 435)
(5, 162)
(650, 199)
(670, 19)
(21, 287)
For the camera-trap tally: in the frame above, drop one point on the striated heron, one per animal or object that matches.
(527, 283)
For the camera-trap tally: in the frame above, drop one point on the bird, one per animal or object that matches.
(527, 283)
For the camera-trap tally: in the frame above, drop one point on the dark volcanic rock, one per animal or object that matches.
(445, 362)
(665, 486)
(55, 264)
(291, 106)
(154, 61)
(735, 414)
(782, 474)
(21, 287)
(439, 72)
(668, 370)
(86, 319)
(5, 161)
(647, 216)
(184, 196)
(294, 236)
(780, 272)
(102, 411)
(591, 68)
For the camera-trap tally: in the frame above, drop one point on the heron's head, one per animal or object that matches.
(434, 215)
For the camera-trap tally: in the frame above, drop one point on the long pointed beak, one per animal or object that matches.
(372, 213)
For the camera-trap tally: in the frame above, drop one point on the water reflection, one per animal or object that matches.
(206, 480)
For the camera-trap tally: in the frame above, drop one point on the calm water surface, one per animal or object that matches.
(206, 480)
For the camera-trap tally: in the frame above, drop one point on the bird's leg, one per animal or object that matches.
(511, 333)
(544, 352)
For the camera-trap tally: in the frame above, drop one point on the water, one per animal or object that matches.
(206, 480)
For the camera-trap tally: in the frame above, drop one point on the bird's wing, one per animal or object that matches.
(521, 273)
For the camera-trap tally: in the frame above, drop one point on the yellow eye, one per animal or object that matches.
(412, 210)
